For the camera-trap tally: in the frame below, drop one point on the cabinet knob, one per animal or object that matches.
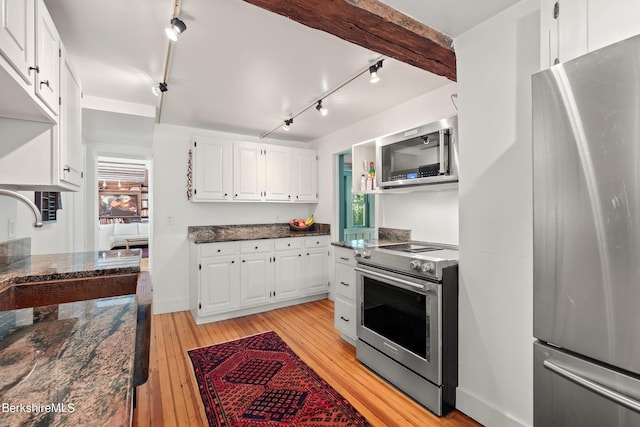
(233, 262)
(256, 247)
(44, 82)
(236, 195)
(226, 194)
(288, 244)
(67, 169)
(36, 69)
(242, 260)
(218, 250)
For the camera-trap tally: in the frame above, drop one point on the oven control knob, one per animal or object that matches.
(366, 254)
(415, 265)
(428, 267)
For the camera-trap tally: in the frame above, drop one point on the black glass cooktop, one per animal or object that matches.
(413, 248)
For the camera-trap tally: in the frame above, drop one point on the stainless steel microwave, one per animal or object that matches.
(424, 155)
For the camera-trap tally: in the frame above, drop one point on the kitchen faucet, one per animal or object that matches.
(34, 208)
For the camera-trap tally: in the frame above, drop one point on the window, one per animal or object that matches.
(359, 211)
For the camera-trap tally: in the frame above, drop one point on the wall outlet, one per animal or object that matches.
(11, 228)
(169, 220)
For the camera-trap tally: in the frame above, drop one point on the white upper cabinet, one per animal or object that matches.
(211, 169)
(47, 58)
(17, 19)
(42, 156)
(71, 148)
(277, 171)
(570, 28)
(273, 173)
(23, 25)
(248, 171)
(305, 175)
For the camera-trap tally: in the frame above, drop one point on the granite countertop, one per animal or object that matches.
(230, 233)
(68, 364)
(38, 268)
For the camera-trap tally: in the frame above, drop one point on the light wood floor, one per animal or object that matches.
(170, 396)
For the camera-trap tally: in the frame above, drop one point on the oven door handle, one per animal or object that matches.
(385, 277)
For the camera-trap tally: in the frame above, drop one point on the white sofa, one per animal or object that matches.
(115, 235)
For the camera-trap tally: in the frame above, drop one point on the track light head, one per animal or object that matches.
(160, 88)
(287, 124)
(321, 109)
(177, 26)
(373, 70)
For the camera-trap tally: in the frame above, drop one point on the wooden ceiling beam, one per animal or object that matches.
(374, 26)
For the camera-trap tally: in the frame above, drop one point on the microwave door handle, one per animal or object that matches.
(441, 151)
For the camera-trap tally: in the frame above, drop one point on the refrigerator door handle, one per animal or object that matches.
(620, 398)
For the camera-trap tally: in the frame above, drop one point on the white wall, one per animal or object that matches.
(495, 62)
(8, 215)
(434, 215)
(170, 254)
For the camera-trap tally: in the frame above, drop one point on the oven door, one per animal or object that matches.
(400, 317)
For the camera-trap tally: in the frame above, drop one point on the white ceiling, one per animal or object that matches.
(242, 69)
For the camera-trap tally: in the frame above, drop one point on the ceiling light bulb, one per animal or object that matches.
(172, 34)
(323, 111)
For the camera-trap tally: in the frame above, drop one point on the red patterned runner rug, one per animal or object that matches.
(260, 381)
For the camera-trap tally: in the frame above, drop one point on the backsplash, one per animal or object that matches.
(14, 250)
(394, 234)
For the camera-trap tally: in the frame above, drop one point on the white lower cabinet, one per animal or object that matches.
(232, 279)
(345, 293)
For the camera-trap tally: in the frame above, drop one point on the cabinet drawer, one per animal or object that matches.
(286, 244)
(316, 241)
(256, 246)
(215, 249)
(345, 280)
(344, 256)
(345, 317)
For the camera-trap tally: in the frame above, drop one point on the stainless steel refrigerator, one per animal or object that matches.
(586, 174)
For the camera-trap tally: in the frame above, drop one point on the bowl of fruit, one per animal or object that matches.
(298, 224)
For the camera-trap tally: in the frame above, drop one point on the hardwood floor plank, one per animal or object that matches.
(171, 396)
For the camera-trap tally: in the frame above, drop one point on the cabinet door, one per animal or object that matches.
(288, 266)
(256, 279)
(277, 173)
(306, 173)
(212, 170)
(315, 270)
(70, 127)
(219, 290)
(248, 171)
(17, 18)
(47, 58)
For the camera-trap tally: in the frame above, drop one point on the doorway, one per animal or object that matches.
(124, 204)
(356, 210)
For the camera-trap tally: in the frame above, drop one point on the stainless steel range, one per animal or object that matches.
(407, 311)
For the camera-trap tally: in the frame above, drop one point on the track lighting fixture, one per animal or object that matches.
(373, 70)
(160, 88)
(177, 27)
(321, 109)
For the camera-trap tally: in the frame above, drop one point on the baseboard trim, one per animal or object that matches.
(162, 307)
(484, 412)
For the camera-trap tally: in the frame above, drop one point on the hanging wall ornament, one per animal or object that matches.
(190, 176)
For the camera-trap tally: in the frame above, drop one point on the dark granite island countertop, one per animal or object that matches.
(68, 364)
(39, 268)
(230, 233)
